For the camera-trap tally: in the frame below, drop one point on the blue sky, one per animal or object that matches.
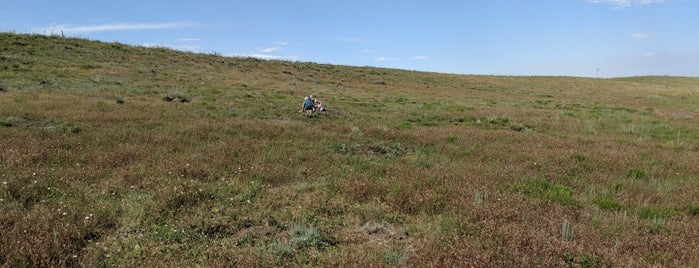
(503, 37)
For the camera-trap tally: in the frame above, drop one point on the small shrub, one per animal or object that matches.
(467, 152)
(606, 204)
(652, 212)
(541, 189)
(308, 236)
(637, 174)
(5, 123)
(579, 158)
(70, 128)
(11, 121)
(374, 227)
(692, 210)
(588, 260)
(616, 187)
(394, 149)
(404, 125)
(451, 138)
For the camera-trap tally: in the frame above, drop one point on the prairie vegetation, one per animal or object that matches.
(115, 155)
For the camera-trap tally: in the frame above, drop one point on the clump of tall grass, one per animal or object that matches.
(374, 227)
(307, 235)
(692, 210)
(546, 191)
(587, 260)
(608, 204)
(653, 212)
(566, 232)
(11, 121)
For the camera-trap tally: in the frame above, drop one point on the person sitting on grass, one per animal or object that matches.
(307, 105)
(317, 103)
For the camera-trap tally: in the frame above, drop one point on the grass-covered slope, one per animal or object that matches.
(114, 155)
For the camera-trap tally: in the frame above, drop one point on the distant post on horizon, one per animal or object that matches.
(597, 73)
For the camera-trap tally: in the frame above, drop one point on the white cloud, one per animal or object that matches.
(366, 50)
(181, 48)
(264, 53)
(419, 58)
(650, 54)
(385, 59)
(70, 29)
(188, 39)
(641, 35)
(618, 4)
(277, 46)
(268, 50)
(265, 56)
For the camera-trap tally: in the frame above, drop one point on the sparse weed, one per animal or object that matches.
(480, 198)
(374, 227)
(566, 232)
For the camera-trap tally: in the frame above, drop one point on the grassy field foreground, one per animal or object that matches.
(115, 155)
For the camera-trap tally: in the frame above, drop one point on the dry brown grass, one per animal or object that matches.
(406, 169)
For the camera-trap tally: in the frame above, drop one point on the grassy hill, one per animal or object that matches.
(115, 155)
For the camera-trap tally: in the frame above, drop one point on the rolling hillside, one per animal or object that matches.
(116, 155)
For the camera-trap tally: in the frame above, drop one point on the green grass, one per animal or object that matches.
(116, 155)
(546, 191)
(607, 204)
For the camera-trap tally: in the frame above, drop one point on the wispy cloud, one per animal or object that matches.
(264, 52)
(618, 4)
(264, 56)
(72, 29)
(641, 35)
(277, 46)
(385, 59)
(419, 58)
(366, 50)
(644, 35)
(268, 50)
(181, 48)
(188, 39)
